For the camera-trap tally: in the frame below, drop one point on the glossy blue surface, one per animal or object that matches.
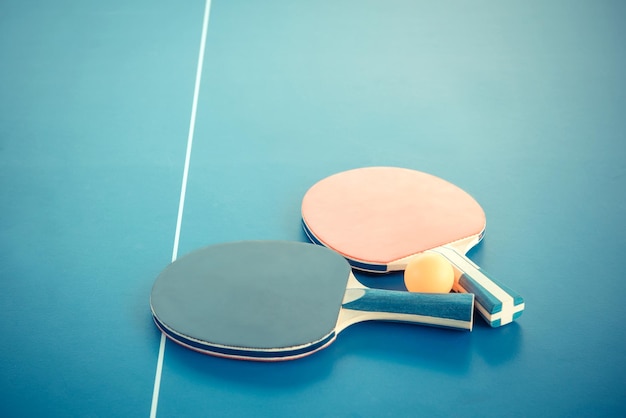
(519, 103)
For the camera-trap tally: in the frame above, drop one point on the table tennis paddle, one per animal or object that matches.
(280, 300)
(379, 218)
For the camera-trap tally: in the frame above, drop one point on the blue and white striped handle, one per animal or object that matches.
(448, 310)
(497, 303)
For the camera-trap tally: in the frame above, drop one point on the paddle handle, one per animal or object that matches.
(447, 310)
(497, 304)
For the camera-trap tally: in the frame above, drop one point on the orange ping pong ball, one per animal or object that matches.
(429, 273)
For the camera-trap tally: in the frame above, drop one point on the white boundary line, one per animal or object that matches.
(183, 191)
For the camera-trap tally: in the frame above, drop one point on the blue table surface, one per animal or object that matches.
(520, 103)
